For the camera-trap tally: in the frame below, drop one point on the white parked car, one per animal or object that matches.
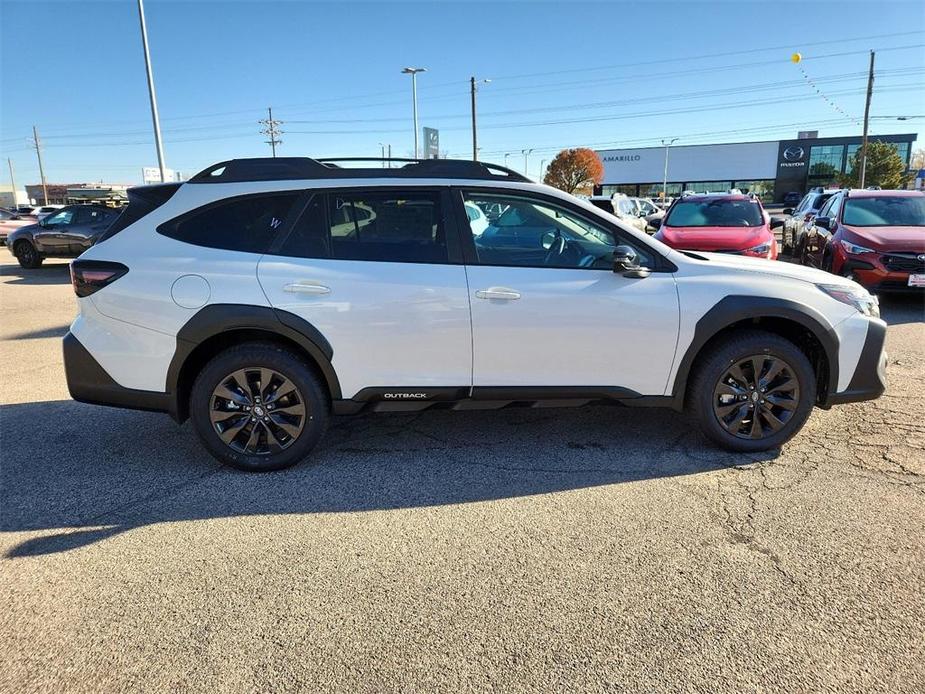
(264, 295)
(45, 210)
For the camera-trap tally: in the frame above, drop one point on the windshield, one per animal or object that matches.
(885, 212)
(715, 213)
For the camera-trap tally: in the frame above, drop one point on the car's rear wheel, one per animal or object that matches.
(752, 392)
(27, 255)
(259, 407)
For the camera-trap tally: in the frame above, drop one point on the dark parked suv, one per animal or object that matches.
(65, 234)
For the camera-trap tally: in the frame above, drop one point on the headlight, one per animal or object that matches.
(855, 296)
(761, 250)
(853, 249)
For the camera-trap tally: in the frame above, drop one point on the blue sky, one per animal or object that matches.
(563, 74)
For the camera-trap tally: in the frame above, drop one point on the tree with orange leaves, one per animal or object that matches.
(575, 171)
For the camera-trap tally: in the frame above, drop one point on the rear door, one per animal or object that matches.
(90, 224)
(378, 271)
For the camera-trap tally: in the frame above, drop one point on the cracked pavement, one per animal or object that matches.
(594, 549)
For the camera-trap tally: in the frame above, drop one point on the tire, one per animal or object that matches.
(708, 392)
(258, 373)
(27, 255)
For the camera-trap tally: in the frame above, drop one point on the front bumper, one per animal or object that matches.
(88, 382)
(869, 379)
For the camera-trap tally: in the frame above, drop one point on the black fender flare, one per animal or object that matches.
(736, 308)
(215, 319)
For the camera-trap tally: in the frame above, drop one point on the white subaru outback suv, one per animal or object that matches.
(264, 295)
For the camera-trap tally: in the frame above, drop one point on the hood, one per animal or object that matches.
(776, 268)
(901, 239)
(715, 238)
(26, 229)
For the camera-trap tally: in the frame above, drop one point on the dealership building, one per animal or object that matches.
(771, 168)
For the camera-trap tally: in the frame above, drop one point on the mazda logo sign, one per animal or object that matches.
(920, 257)
(793, 153)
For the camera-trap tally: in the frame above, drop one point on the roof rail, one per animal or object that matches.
(299, 168)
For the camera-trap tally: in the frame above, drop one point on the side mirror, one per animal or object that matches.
(625, 263)
(788, 210)
(656, 223)
(823, 222)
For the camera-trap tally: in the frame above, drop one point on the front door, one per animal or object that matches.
(52, 236)
(376, 272)
(548, 310)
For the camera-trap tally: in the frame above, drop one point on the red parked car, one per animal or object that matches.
(720, 223)
(875, 237)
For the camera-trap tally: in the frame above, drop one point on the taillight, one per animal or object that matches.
(89, 276)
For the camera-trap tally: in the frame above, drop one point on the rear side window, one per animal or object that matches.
(399, 227)
(248, 224)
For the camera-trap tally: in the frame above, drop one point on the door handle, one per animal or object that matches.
(305, 287)
(498, 293)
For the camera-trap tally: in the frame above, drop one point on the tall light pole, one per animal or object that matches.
(13, 182)
(542, 168)
(151, 94)
(472, 89)
(525, 152)
(666, 144)
(382, 147)
(506, 155)
(38, 152)
(413, 71)
(870, 93)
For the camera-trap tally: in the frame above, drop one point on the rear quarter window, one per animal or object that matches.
(247, 224)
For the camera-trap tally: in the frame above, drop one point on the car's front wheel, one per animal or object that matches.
(752, 392)
(258, 407)
(27, 255)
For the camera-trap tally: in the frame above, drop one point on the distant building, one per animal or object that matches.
(67, 193)
(7, 199)
(770, 168)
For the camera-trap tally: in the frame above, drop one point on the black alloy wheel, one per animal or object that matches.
(756, 396)
(257, 411)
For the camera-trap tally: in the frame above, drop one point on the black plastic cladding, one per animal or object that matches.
(302, 168)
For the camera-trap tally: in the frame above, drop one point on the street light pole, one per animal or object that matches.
(413, 71)
(665, 177)
(151, 94)
(542, 168)
(870, 92)
(472, 90)
(525, 152)
(382, 147)
(13, 182)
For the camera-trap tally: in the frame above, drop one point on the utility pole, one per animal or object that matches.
(542, 168)
(870, 92)
(525, 152)
(271, 130)
(13, 181)
(666, 144)
(473, 88)
(390, 156)
(413, 71)
(151, 94)
(38, 151)
(382, 157)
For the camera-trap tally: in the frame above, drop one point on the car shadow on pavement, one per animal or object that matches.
(898, 309)
(49, 273)
(87, 473)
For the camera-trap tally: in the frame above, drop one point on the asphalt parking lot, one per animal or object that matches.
(519, 550)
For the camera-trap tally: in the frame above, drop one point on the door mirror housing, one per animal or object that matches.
(625, 263)
(788, 210)
(655, 222)
(823, 222)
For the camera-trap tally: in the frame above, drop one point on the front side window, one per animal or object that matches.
(248, 224)
(715, 213)
(401, 227)
(63, 218)
(888, 211)
(536, 233)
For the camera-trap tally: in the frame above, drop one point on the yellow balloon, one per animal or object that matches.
(796, 57)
